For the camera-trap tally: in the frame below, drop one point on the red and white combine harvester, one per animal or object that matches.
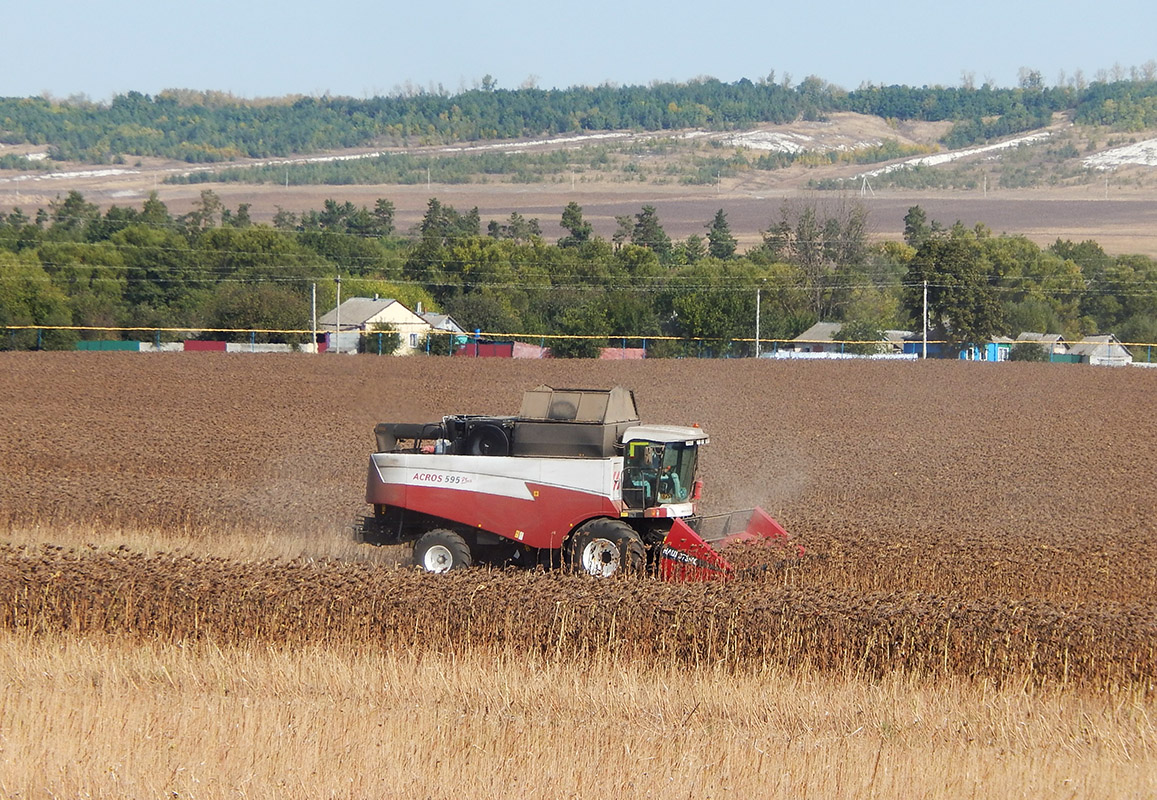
(573, 479)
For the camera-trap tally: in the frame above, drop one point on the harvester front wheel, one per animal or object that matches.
(604, 547)
(440, 551)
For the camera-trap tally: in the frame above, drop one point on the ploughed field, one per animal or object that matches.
(987, 521)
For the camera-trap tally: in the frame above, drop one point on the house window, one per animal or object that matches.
(413, 340)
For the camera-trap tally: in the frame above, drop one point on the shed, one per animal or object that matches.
(1102, 350)
(477, 348)
(1052, 343)
(821, 338)
(440, 322)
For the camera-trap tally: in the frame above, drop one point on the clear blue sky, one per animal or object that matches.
(361, 49)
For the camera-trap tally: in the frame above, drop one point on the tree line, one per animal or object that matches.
(72, 265)
(206, 127)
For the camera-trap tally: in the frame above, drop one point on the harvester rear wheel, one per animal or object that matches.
(440, 551)
(604, 547)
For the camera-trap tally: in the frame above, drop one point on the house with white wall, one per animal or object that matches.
(359, 317)
(1102, 350)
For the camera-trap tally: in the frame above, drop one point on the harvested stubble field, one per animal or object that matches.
(984, 527)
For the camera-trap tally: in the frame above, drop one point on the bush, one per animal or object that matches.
(1028, 351)
(382, 339)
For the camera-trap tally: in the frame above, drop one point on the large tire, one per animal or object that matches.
(605, 547)
(440, 551)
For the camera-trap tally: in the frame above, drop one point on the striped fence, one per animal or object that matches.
(479, 344)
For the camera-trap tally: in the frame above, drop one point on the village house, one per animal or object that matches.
(1102, 350)
(359, 317)
(821, 338)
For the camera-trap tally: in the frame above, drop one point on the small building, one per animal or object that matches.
(1102, 350)
(1052, 343)
(360, 316)
(440, 322)
(817, 339)
(999, 349)
(480, 348)
(821, 338)
(445, 343)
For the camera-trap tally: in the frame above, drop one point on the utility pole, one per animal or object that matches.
(313, 316)
(337, 332)
(925, 319)
(757, 293)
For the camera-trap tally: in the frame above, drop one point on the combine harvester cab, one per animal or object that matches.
(574, 478)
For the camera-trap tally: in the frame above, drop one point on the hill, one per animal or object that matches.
(1066, 181)
(688, 147)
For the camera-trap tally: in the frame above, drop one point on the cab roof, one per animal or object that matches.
(665, 434)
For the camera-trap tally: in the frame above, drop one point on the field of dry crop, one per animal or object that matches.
(977, 532)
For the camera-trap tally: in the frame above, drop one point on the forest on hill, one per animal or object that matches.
(72, 264)
(207, 127)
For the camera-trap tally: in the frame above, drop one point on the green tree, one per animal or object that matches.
(715, 302)
(649, 233)
(692, 251)
(285, 220)
(865, 337)
(721, 244)
(1040, 291)
(71, 216)
(249, 307)
(237, 219)
(381, 339)
(516, 228)
(441, 227)
(29, 297)
(100, 229)
(828, 246)
(585, 323)
(488, 310)
(1028, 351)
(161, 274)
(916, 228)
(19, 233)
(572, 221)
(384, 215)
(260, 253)
(93, 278)
(206, 213)
(624, 226)
(356, 255)
(963, 303)
(154, 212)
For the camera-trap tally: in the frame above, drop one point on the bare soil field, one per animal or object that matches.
(1123, 220)
(1013, 481)
(973, 612)
(901, 452)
